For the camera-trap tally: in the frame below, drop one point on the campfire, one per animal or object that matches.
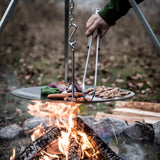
(65, 136)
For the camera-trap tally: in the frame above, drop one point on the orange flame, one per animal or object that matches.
(61, 115)
(39, 131)
(53, 110)
(59, 112)
(13, 155)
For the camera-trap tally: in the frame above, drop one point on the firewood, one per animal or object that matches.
(74, 150)
(98, 144)
(145, 106)
(130, 119)
(39, 144)
(135, 112)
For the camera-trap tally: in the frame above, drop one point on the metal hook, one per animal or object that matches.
(72, 43)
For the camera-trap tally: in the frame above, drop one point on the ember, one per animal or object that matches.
(68, 137)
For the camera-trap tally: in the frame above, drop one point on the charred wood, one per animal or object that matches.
(98, 144)
(39, 144)
(74, 150)
(39, 156)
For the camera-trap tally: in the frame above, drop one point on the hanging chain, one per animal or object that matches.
(72, 24)
(71, 42)
(71, 13)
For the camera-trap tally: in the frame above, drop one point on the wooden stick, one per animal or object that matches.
(39, 144)
(74, 150)
(95, 140)
(145, 106)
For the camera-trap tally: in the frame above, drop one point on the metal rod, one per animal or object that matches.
(70, 41)
(96, 65)
(66, 39)
(73, 71)
(145, 24)
(72, 44)
(7, 14)
(89, 45)
(86, 66)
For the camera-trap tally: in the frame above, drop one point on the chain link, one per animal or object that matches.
(72, 24)
(71, 12)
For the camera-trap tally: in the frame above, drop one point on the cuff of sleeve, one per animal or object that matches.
(114, 10)
(109, 14)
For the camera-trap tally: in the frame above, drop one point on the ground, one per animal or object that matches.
(32, 53)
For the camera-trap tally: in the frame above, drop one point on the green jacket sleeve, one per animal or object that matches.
(114, 10)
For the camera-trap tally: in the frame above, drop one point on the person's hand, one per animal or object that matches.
(95, 22)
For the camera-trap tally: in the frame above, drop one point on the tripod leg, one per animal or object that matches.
(145, 24)
(66, 27)
(7, 14)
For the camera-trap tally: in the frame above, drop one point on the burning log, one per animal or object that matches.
(34, 150)
(39, 144)
(73, 152)
(96, 141)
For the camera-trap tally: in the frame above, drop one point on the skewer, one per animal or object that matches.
(96, 62)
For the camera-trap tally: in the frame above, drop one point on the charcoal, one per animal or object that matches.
(39, 144)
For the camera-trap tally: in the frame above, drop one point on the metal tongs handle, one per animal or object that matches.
(96, 62)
